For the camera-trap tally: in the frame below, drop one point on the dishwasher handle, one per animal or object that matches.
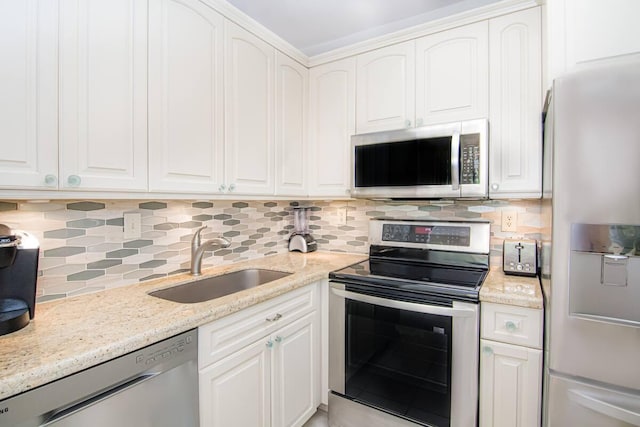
(404, 305)
(64, 412)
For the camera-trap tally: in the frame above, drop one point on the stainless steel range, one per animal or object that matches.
(404, 326)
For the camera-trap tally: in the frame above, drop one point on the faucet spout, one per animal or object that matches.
(198, 250)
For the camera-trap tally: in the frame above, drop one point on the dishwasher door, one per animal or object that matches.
(156, 386)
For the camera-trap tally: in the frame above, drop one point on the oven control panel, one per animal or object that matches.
(435, 235)
(462, 236)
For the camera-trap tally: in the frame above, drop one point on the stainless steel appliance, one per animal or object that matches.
(404, 326)
(591, 263)
(156, 386)
(18, 276)
(301, 240)
(440, 161)
(520, 257)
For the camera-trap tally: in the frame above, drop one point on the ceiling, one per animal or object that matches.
(318, 26)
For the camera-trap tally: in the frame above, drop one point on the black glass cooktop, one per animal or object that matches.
(449, 281)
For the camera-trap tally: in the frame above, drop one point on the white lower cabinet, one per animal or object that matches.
(510, 366)
(261, 366)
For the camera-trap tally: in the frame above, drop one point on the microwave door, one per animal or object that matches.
(422, 168)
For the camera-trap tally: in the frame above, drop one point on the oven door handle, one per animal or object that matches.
(404, 305)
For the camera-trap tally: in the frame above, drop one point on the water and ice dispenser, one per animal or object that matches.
(604, 273)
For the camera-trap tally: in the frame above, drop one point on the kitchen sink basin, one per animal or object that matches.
(209, 288)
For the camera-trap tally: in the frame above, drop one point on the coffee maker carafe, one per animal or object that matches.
(18, 275)
(301, 240)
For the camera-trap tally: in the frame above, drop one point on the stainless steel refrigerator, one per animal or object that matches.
(591, 246)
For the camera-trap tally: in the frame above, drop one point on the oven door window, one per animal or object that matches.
(399, 361)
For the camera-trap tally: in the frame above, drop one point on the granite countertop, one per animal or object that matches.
(512, 290)
(67, 336)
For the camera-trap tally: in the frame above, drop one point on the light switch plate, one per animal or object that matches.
(132, 225)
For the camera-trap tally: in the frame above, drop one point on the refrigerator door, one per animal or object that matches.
(581, 404)
(594, 331)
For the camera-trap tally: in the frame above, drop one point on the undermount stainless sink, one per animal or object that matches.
(218, 286)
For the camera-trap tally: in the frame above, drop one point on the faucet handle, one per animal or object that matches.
(196, 239)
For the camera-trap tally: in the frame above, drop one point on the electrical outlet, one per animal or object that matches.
(509, 221)
(342, 216)
(132, 225)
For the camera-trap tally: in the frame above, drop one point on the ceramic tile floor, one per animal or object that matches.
(319, 419)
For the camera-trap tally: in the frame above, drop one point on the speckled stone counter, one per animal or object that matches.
(513, 290)
(73, 334)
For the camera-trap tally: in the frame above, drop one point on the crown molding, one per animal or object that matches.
(235, 15)
(463, 18)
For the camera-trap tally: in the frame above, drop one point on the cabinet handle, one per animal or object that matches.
(487, 350)
(510, 326)
(222, 187)
(269, 344)
(274, 318)
(50, 180)
(419, 122)
(278, 339)
(232, 187)
(74, 180)
(495, 186)
(407, 123)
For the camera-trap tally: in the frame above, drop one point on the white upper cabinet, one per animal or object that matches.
(103, 95)
(292, 88)
(186, 103)
(515, 105)
(28, 94)
(331, 124)
(580, 31)
(385, 88)
(452, 75)
(249, 112)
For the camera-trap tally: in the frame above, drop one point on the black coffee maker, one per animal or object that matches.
(18, 274)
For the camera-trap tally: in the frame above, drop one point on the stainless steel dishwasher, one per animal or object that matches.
(156, 386)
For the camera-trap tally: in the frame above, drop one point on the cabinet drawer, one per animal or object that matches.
(227, 335)
(511, 324)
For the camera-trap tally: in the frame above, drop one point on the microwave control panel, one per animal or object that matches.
(470, 158)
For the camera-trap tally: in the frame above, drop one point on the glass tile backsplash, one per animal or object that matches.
(83, 247)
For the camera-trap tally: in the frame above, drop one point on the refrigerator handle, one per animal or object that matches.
(595, 402)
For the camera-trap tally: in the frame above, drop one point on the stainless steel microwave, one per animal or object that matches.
(431, 162)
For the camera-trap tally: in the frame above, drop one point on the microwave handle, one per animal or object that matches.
(455, 160)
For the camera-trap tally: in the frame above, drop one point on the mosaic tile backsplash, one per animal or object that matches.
(82, 248)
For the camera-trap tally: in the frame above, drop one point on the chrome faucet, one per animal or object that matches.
(198, 249)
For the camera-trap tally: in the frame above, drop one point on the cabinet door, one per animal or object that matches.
(236, 391)
(103, 94)
(385, 88)
(249, 118)
(292, 86)
(515, 104)
(28, 94)
(510, 385)
(452, 75)
(331, 124)
(185, 97)
(296, 373)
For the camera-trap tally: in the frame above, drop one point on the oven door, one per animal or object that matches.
(413, 360)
